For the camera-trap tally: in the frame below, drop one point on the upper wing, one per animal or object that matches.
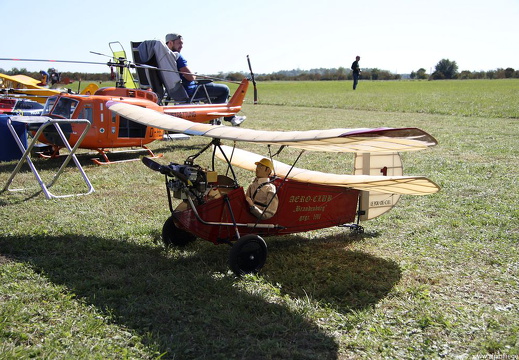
(20, 81)
(336, 140)
(408, 185)
(26, 80)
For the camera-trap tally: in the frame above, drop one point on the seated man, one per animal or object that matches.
(218, 91)
(44, 77)
(261, 194)
(55, 77)
(164, 58)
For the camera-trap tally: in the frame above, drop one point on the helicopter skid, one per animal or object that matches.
(107, 161)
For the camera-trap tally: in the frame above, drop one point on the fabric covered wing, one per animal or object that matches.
(408, 185)
(335, 140)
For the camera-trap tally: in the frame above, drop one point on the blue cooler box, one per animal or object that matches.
(9, 149)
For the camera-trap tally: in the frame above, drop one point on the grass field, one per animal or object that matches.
(437, 277)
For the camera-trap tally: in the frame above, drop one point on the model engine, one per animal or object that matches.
(186, 179)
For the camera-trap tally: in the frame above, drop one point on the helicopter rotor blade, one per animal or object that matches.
(56, 61)
(122, 62)
(253, 81)
(97, 53)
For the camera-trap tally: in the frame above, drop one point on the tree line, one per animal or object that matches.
(447, 69)
(444, 69)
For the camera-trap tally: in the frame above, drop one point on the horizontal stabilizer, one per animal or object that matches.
(221, 114)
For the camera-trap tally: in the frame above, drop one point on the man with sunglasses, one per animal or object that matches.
(220, 92)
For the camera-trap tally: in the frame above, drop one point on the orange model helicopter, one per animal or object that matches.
(113, 131)
(109, 131)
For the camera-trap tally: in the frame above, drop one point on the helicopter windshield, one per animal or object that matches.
(85, 112)
(49, 104)
(64, 107)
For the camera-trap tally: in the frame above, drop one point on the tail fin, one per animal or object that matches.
(374, 203)
(239, 95)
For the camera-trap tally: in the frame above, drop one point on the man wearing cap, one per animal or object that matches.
(261, 194)
(218, 91)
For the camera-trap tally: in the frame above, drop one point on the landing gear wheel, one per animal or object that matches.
(357, 230)
(248, 255)
(173, 236)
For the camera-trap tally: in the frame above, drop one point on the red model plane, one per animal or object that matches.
(213, 207)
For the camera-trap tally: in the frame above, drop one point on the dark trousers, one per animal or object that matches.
(355, 80)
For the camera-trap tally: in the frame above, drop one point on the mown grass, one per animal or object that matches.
(437, 277)
(490, 98)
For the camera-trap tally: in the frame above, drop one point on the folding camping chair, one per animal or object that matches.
(157, 70)
(42, 123)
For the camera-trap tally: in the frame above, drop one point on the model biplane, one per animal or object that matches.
(26, 87)
(213, 207)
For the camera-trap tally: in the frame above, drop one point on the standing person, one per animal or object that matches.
(261, 193)
(356, 72)
(218, 91)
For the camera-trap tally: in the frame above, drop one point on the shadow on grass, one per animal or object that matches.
(86, 157)
(176, 304)
(326, 271)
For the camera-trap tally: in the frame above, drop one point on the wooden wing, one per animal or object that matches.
(408, 185)
(336, 140)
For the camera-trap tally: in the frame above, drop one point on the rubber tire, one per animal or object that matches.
(173, 236)
(248, 255)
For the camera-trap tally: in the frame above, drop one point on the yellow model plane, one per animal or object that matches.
(27, 87)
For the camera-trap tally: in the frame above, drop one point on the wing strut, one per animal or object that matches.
(217, 144)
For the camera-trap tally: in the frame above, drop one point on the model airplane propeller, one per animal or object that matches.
(214, 207)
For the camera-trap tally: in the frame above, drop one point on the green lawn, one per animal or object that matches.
(437, 277)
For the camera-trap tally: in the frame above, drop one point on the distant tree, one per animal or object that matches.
(509, 72)
(480, 75)
(235, 76)
(374, 74)
(445, 69)
(465, 74)
(341, 73)
(421, 74)
(500, 73)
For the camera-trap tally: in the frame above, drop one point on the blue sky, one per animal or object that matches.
(398, 35)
